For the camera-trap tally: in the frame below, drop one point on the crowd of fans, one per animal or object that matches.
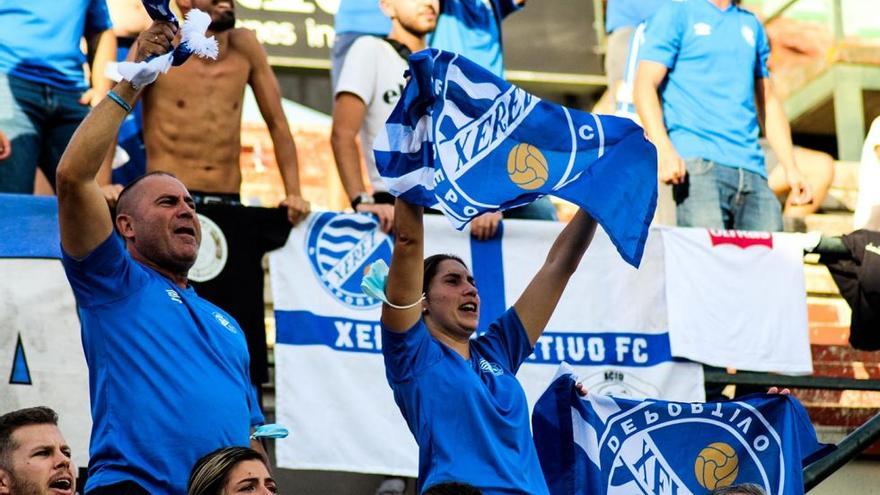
(664, 70)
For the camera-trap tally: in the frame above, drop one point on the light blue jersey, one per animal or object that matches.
(361, 16)
(714, 58)
(469, 417)
(40, 39)
(629, 13)
(473, 28)
(168, 372)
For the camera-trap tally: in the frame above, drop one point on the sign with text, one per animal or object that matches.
(295, 33)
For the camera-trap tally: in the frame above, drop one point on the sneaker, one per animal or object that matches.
(392, 486)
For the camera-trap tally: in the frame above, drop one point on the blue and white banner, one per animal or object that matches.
(466, 142)
(41, 356)
(598, 445)
(330, 376)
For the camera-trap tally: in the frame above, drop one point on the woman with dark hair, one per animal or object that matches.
(231, 470)
(458, 394)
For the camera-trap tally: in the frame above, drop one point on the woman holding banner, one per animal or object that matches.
(458, 394)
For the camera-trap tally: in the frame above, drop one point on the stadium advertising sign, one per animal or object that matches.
(295, 33)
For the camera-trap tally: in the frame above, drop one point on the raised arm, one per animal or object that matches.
(405, 275)
(268, 96)
(537, 303)
(83, 215)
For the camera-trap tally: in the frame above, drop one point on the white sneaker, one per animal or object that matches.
(392, 486)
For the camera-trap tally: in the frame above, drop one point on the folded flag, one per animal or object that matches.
(466, 142)
(606, 445)
(192, 41)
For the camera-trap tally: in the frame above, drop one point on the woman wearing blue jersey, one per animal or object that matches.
(459, 395)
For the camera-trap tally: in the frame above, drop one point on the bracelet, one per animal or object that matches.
(119, 101)
(406, 306)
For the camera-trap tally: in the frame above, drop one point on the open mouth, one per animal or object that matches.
(186, 231)
(468, 307)
(63, 484)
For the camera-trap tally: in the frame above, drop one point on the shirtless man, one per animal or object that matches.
(192, 114)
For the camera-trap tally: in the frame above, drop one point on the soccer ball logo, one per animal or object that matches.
(716, 466)
(526, 166)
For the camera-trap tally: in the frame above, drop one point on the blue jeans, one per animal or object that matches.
(725, 197)
(39, 120)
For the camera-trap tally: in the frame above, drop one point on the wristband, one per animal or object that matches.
(119, 101)
(362, 199)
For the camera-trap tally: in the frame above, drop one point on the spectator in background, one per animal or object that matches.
(818, 170)
(192, 115)
(708, 60)
(473, 28)
(130, 18)
(867, 214)
(34, 457)
(231, 470)
(370, 83)
(355, 18)
(168, 370)
(43, 90)
(621, 19)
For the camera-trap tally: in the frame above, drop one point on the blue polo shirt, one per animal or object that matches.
(168, 372)
(473, 28)
(361, 16)
(714, 59)
(629, 13)
(469, 417)
(40, 39)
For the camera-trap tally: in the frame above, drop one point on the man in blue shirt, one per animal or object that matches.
(473, 28)
(708, 60)
(168, 371)
(621, 19)
(43, 90)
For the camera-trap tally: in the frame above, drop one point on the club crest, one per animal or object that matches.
(340, 248)
(480, 126)
(213, 252)
(642, 449)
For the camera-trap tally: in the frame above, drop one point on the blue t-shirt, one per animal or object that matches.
(714, 58)
(469, 417)
(168, 372)
(629, 13)
(473, 28)
(40, 39)
(361, 16)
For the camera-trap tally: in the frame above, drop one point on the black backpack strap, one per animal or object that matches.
(400, 48)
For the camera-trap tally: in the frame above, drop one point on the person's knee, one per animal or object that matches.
(817, 166)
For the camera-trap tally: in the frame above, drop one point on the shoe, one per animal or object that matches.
(392, 486)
